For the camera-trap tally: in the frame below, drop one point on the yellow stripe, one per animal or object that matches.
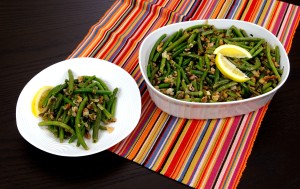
(175, 149)
(199, 152)
(188, 150)
(151, 138)
(167, 145)
(224, 10)
(270, 14)
(264, 13)
(218, 150)
(276, 13)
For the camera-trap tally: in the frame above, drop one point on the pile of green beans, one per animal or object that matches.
(79, 107)
(182, 65)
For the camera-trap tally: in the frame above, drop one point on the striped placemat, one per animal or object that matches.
(198, 153)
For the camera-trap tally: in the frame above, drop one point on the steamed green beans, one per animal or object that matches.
(79, 108)
(192, 70)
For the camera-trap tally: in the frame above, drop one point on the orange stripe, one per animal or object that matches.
(169, 145)
(99, 35)
(218, 139)
(186, 150)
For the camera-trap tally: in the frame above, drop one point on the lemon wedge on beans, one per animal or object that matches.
(229, 70)
(233, 51)
(36, 104)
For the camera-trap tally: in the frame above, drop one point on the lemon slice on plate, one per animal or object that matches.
(232, 51)
(36, 104)
(229, 70)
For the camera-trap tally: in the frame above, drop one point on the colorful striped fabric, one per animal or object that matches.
(198, 153)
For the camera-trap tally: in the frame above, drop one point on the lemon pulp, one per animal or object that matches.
(229, 70)
(36, 104)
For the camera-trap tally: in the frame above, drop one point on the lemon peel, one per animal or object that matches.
(232, 51)
(36, 104)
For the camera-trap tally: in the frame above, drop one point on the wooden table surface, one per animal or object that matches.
(37, 34)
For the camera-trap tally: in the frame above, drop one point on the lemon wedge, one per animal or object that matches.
(229, 70)
(232, 51)
(36, 104)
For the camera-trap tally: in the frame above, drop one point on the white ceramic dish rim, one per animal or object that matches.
(211, 21)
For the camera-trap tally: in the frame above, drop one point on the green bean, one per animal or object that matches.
(105, 111)
(245, 90)
(58, 101)
(237, 44)
(179, 51)
(207, 61)
(226, 86)
(207, 32)
(245, 39)
(176, 43)
(246, 66)
(257, 52)
(153, 74)
(163, 85)
(221, 82)
(168, 68)
(102, 83)
(200, 62)
(96, 125)
(252, 51)
(57, 123)
(232, 94)
(267, 89)
(112, 97)
(168, 41)
(71, 82)
(183, 75)
(178, 79)
(196, 93)
(87, 82)
(199, 43)
(191, 28)
(155, 46)
(53, 92)
(217, 75)
(180, 61)
(113, 109)
(68, 101)
(88, 90)
(181, 46)
(149, 69)
(184, 86)
(228, 33)
(202, 80)
(271, 63)
(267, 85)
(237, 31)
(197, 72)
(191, 55)
(179, 34)
(78, 125)
(277, 54)
(192, 38)
(244, 33)
(162, 65)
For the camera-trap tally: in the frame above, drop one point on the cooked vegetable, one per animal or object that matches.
(79, 107)
(185, 68)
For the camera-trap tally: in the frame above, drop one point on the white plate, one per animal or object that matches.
(128, 108)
